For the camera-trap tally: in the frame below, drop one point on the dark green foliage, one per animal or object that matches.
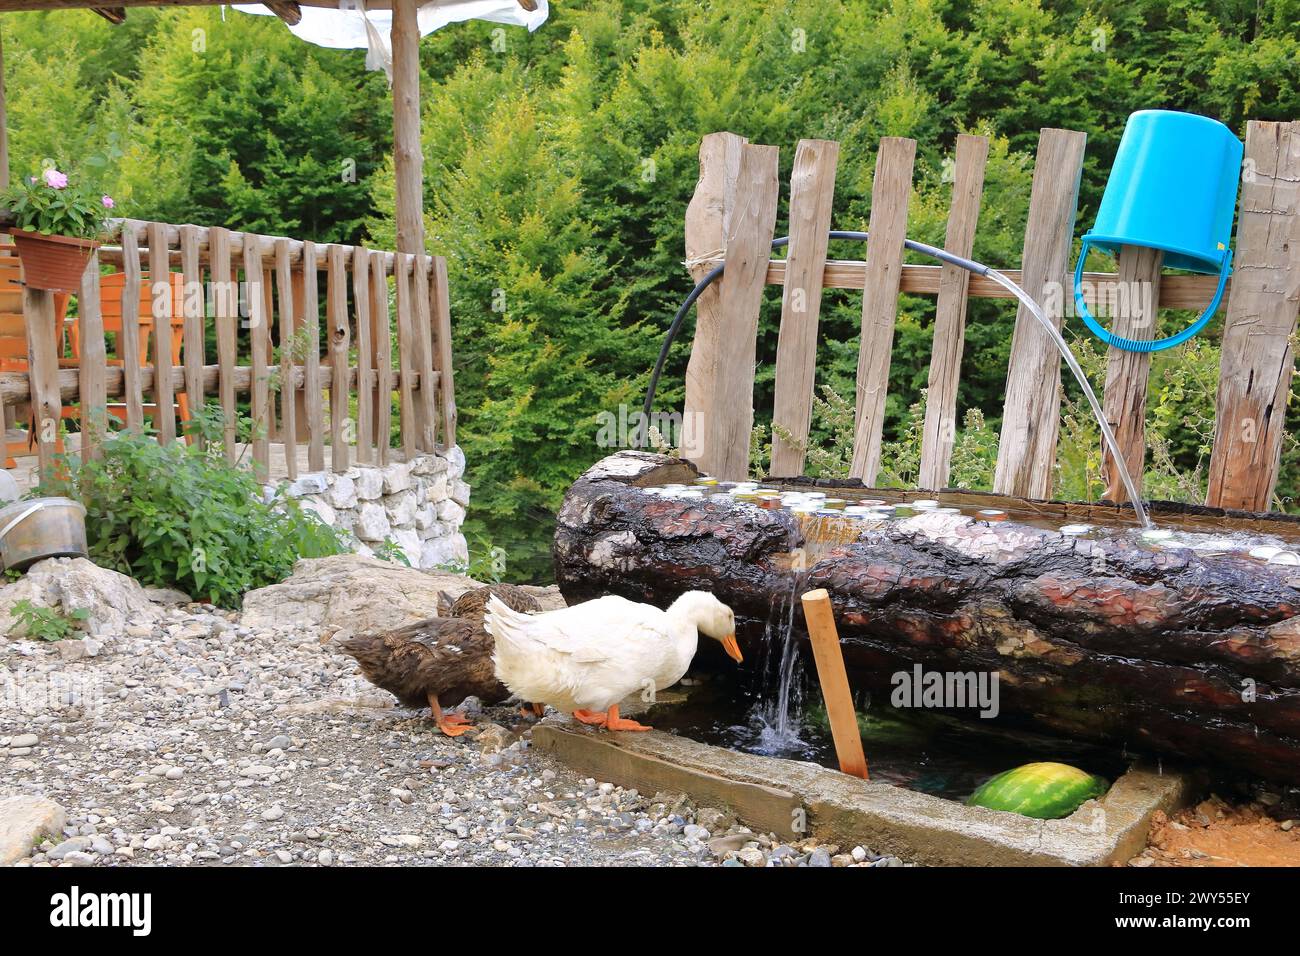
(558, 170)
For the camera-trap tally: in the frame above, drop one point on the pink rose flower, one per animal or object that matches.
(55, 179)
(108, 202)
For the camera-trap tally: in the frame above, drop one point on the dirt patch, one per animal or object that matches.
(1216, 833)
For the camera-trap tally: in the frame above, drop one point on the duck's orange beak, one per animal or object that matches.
(732, 648)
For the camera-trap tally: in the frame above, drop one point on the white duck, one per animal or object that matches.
(587, 658)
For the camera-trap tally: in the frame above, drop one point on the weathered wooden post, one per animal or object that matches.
(1256, 363)
(1032, 412)
(92, 389)
(732, 216)
(43, 373)
(160, 287)
(1124, 402)
(940, 428)
(812, 192)
(408, 158)
(890, 192)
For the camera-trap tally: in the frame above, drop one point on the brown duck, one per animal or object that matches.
(442, 658)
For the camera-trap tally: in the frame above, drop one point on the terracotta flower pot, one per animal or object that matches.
(53, 263)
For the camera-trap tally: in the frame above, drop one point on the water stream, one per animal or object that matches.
(778, 718)
(1109, 436)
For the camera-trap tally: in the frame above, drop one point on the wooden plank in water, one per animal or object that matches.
(163, 299)
(225, 310)
(383, 358)
(93, 363)
(128, 344)
(1256, 363)
(365, 377)
(288, 394)
(940, 428)
(1032, 411)
(440, 296)
(834, 681)
(311, 364)
(194, 314)
(812, 192)
(890, 192)
(1125, 400)
(341, 425)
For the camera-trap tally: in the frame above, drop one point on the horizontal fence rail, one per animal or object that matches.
(1190, 292)
(729, 221)
(250, 295)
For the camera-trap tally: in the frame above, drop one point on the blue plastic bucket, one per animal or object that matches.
(1173, 187)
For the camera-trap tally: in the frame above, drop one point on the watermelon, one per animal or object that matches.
(1046, 791)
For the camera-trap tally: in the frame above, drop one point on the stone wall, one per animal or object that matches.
(417, 506)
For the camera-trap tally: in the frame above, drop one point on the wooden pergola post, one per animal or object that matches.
(407, 155)
(4, 125)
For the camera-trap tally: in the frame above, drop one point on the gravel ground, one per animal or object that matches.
(196, 741)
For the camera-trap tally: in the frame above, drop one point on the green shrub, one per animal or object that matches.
(179, 516)
(48, 623)
(487, 562)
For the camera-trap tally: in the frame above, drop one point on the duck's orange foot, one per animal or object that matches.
(593, 717)
(453, 725)
(622, 723)
(614, 722)
(533, 711)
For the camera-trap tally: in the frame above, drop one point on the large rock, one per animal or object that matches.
(24, 821)
(352, 592)
(73, 584)
(349, 592)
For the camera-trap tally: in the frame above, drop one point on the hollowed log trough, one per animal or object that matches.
(1108, 639)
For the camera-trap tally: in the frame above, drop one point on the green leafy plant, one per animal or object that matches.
(390, 550)
(180, 515)
(55, 203)
(487, 562)
(48, 623)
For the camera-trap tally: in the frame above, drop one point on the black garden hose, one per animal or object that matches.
(921, 247)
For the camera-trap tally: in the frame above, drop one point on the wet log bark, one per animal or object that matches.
(1173, 651)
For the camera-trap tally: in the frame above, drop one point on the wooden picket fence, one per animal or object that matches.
(732, 219)
(280, 282)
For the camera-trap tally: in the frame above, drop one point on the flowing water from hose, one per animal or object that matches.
(1061, 346)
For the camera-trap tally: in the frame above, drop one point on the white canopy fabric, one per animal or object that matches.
(353, 27)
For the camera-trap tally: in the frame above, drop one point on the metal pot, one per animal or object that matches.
(41, 528)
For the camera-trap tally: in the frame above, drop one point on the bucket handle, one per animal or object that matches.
(22, 516)
(1146, 345)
